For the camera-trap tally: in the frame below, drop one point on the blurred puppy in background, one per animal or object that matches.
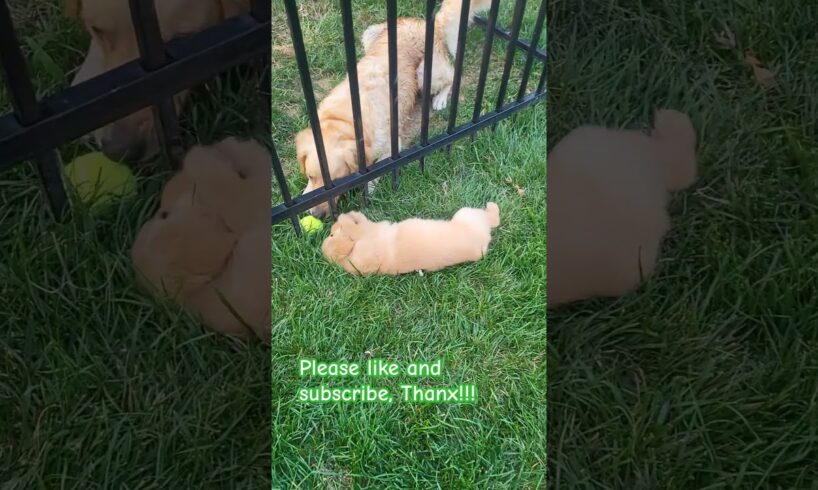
(607, 196)
(113, 43)
(208, 245)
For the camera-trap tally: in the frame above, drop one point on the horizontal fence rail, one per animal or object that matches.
(37, 127)
(291, 206)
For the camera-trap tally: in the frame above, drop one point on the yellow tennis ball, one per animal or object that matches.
(311, 224)
(98, 180)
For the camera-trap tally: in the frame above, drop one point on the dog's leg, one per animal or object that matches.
(93, 65)
(441, 100)
(371, 34)
(370, 186)
(442, 80)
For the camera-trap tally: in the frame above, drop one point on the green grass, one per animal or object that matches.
(99, 386)
(485, 320)
(707, 376)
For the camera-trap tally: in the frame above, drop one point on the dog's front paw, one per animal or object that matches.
(370, 186)
(440, 101)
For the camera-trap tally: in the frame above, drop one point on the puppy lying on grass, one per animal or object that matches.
(363, 247)
(607, 197)
(208, 245)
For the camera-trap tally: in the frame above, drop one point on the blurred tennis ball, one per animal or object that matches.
(98, 180)
(311, 224)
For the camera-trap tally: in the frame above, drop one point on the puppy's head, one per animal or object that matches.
(113, 43)
(341, 161)
(341, 240)
(181, 249)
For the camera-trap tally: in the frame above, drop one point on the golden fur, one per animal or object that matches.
(113, 43)
(364, 247)
(208, 245)
(335, 111)
(607, 196)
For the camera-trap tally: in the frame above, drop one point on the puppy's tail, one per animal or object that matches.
(371, 34)
(447, 21)
(677, 147)
(493, 212)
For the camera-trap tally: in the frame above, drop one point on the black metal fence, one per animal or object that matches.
(37, 127)
(292, 206)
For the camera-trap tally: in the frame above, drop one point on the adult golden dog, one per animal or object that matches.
(363, 247)
(113, 43)
(335, 111)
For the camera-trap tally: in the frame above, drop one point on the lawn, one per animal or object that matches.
(99, 386)
(707, 376)
(486, 320)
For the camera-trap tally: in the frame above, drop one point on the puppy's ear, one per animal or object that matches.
(337, 247)
(248, 158)
(357, 217)
(304, 141)
(232, 8)
(73, 8)
(351, 224)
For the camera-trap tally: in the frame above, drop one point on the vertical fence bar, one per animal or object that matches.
(354, 89)
(392, 33)
(541, 84)
(152, 57)
(458, 63)
(458, 66)
(529, 60)
(261, 10)
(484, 64)
(426, 103)
(282, 186)
(309, 94)
(27, 110)
(519, 10)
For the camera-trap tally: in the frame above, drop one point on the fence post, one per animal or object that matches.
(309, 95)
(152, 57)
(484, 63)
(458, 66)
(392, 35)
(519, 10)
(354, 89)
(27, 110)
(427, 78)
(282, 186)
(532, 48)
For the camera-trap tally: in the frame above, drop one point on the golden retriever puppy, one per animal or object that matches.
(607, 197)
(363, 247)
(208, 245)
(335, 111)
(225, 179)
(237, 301)
(113, 43)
